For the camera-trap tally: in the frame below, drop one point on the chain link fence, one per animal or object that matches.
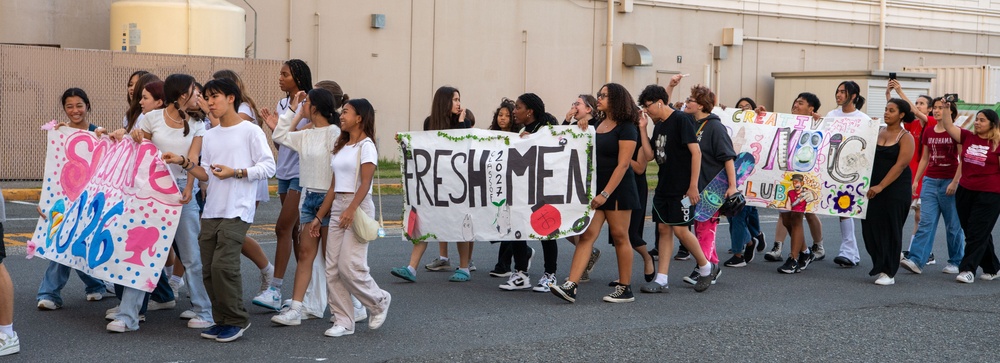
(33, 78)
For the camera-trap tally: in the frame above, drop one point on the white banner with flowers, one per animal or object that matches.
(820, 166)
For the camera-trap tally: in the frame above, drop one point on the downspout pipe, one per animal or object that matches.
(881, 35)
(609, 50)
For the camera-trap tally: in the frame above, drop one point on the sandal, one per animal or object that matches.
(459, 276)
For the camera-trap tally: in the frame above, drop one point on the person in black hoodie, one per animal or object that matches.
(717, 154)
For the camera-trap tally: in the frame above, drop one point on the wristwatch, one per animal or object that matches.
(605, 194)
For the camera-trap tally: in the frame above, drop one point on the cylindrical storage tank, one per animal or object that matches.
(195, 27)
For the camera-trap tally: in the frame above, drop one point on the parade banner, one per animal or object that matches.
(803, 164)
(479, 185)
(111, 208)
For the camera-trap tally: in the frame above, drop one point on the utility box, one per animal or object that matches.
(974, 84)
(732, 36)
(624, 6)
(788, 85)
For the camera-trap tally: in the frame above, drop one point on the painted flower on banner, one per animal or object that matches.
(844, 202)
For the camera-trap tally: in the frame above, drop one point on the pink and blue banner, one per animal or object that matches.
(111, 208)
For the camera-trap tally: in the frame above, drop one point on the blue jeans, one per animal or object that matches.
(285, 184)
(56, 276)
(189, 251)
(933, 202)
(309, 204)
(743, 227)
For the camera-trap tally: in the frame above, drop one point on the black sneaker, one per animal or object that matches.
(500, 273)
(682, 254)
(749, 250)
(789, 267)
(844, 262)
(704, 281)
(804, 260)
(622, 293)
(931, 260)
(761, 242)
(693, 277)
(566, 291)
(735, 261)
(655, 254)
(716, 271)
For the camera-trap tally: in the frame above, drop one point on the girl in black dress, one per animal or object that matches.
(889, 195)
(615, 196)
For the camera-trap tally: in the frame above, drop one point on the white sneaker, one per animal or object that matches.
(377, 320)
(472, 266)
(265, 279)
(188, 314)
(544, 282)
(9, 344)
(110, 313)
(176, 286)
(950, 269)
(95, 296)
(45, 304)
(517, 281)
(199, 323)
(360, 314)
(154, 306)
(988, 277)
(118, 326)
(290, 317)
(884, 280)
(270, 298)
(338, 331)
(910, 266)
(966, 277)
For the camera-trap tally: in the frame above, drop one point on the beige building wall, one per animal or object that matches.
(556, 48)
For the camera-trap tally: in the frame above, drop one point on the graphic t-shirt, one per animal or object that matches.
(980, 164)
(942, 154)
(670, 141)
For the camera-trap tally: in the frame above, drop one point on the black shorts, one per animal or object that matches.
(670, 210)
(3, 250)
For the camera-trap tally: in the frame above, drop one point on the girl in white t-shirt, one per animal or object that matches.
(347, 270)
(314, 146)
(171, 130)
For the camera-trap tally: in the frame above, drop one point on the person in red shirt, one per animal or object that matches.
(940, 170)
(921, 106)
(978, 196)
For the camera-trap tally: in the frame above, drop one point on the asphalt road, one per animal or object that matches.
(754, 313)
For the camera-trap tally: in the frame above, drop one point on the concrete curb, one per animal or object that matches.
(32, 194)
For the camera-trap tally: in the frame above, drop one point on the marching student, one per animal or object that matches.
(744, 228)
(503, 120)
(347, 272)
(251, 248)
(615, 143)
(76, 105)
(171, 130)
(530, 115)
(314, 146)
(717, 154)
(941, 172)
(889, 193)
(849, 103)
(675, 148)
(235, 156)
(978, 196)
(806, 104)
(446, 113)
(293, 77)
(9, 342)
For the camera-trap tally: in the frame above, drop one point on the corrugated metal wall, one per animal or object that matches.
(974, 84)
(32, 79)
